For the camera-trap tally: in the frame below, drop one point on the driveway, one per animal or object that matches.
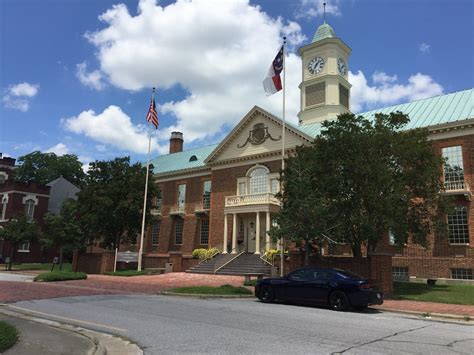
(166, 325)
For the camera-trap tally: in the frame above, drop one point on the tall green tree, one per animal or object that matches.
(45, 167)
(18, 231)
(374, 177)
(63, 230)
(304, 217)
(111, 203)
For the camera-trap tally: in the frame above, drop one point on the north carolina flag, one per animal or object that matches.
(272, 82)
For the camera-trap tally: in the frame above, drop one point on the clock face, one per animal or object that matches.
(341, 65)
(316, 65)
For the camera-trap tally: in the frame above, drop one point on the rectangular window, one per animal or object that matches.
(181, 196)
(343, 96)
(458, 227)
(242, 188)
(159, 200)
(206, 195)
(24, 247)
(453, 168)
(155, 232)
(316, 94)
(178, 231)
(204, 232)
(400, 273)
(274, 186)
(29, 209)
(461, 274)
(391, 238)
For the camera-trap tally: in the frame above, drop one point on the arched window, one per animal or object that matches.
(258, 180)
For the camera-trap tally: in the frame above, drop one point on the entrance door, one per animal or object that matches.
(250, 235)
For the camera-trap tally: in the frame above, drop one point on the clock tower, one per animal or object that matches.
(324, 89)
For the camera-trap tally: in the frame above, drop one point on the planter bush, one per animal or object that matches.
(8, 336)
(60, 276)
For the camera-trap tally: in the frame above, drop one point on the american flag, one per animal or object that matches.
(152, 116)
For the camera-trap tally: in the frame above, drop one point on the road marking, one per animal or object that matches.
(70, 319)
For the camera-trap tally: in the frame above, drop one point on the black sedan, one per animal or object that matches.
(337, 288)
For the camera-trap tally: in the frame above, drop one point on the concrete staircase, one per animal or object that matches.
(232, 264)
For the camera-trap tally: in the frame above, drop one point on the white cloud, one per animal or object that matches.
(92, 79)
(59, 149)
(210, 48)
(387, 90)
(314, 8)
(18, 96)
(424, 48)
(113, 127)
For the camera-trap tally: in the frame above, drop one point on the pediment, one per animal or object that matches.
(258, 133)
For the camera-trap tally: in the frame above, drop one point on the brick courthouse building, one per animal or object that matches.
(223, 195)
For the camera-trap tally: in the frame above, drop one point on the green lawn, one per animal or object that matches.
(60, 276)
(452, 293)
(8, 336)
(127, 273)
(209, 290)
(38, 266)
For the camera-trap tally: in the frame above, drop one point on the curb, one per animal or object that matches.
(431, 315)
(198, 295)
(103, 343)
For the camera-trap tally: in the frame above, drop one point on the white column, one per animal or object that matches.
(224, 251)
(234, 235)
(257, 233)
(267, 236)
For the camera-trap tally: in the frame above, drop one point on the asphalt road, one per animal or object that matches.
(166, 324)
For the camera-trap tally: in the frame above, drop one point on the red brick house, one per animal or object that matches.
(222, 195)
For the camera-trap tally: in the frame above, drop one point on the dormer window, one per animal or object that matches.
(193, 158)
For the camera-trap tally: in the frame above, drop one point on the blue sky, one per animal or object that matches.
(73, 83)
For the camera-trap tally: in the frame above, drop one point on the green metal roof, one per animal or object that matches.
(180, 161)
(323, 31)
(429, 112)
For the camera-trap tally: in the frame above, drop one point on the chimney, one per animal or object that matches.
(176, 142)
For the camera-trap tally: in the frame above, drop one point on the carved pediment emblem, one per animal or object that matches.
(258, 135)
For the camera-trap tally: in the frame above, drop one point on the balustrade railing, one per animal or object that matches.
(255, 199)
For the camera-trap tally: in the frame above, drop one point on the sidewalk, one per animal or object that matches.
(435, 309)
(41, 339)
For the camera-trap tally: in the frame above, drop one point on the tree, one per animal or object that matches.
(304, 216)
(375, 177)
(18, 231)
(45, 167)
(63, 230)
(111, 203)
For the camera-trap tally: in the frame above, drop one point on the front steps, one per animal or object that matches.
(243, 264)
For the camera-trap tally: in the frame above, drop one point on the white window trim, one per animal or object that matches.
(31, 197)
(5, 176)
(24, 250)
(4, 207)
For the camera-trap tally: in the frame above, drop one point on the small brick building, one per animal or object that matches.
(223, 195)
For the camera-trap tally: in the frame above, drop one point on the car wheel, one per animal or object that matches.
(267, 295)
(339, 301)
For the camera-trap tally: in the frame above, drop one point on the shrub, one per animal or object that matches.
(60, 276)
(8, 336)
(269, 254)
(210, 290)
(205, 254)
(126, 273)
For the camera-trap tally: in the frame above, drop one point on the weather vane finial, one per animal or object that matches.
(324, 12)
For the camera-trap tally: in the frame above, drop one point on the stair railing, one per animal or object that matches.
(226, 263)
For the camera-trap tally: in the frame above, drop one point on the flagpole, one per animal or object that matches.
(282, 247)
(140, 252)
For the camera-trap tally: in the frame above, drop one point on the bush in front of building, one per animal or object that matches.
(205, 254)
(60, 276)
(8, 336)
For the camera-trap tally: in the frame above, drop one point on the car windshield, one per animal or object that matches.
(349, 275)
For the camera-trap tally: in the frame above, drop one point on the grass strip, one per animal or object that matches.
(60, 276)
(451, 293)
(211, 290)
(126, 273)
(8, 336)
